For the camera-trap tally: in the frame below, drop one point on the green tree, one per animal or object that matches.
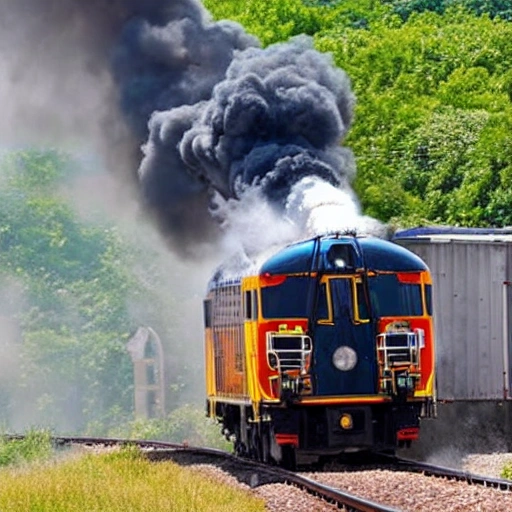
(83, 287)
(434, 90)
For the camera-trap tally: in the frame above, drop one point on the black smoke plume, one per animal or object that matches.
(221, 122)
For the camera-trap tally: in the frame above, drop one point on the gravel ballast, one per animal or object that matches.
(409, 492)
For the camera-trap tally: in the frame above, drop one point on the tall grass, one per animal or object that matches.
(117, 482)
(36, 445)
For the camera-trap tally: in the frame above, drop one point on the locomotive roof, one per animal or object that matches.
(372, 253)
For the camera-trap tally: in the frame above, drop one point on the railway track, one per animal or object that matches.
(400, 464)
(255, 474)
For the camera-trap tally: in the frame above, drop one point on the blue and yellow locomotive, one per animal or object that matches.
(327, 348)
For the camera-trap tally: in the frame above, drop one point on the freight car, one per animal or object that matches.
(472, 304)
(472, 268)
(327, 347)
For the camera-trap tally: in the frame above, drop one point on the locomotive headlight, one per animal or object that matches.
(346, 422)
(344, 358)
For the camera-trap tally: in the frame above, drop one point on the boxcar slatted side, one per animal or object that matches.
(228, 341)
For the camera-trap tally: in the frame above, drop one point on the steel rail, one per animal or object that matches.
(434, 470)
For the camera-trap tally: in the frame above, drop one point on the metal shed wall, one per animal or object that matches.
(469, 282)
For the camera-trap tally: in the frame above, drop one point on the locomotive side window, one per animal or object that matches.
(389, 297)
(428, 298)
(207, 308)
(251, 305)
(248, 305)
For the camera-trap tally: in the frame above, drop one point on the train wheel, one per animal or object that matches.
(265, 444)
(260, 443)
(239, 447)
(289, 459)
(255, 443)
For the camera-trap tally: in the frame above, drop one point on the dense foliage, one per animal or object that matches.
(71, 283)
(185, 424)
(74, 290)
(35, 446)
(494, 8)
(432, 134)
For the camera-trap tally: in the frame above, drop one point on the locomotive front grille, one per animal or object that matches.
(399, 348)
(398, 356)
(397, 340)
(399, 359)
(288, 352)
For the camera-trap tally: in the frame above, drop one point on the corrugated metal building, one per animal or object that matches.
(471, 271)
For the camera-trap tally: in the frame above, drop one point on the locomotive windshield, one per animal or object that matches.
(389, 297)
(286, 300)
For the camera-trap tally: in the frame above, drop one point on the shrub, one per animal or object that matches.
(34, 446)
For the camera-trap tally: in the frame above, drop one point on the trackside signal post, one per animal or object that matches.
(146, 350)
